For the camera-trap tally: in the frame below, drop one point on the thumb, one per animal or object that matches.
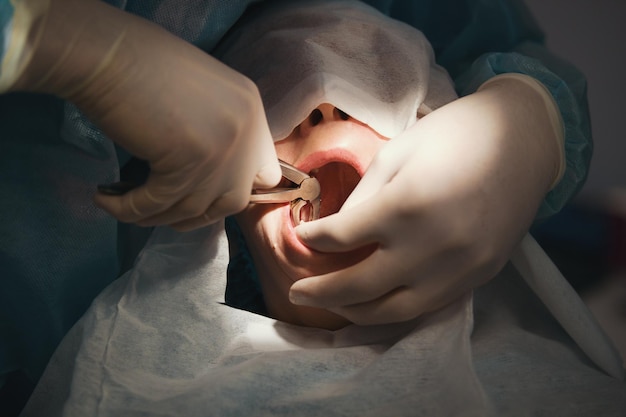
(344, 231)
(268, 174)
(380, 172)
(385, 165)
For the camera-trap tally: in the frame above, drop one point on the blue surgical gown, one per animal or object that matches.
(58, 251)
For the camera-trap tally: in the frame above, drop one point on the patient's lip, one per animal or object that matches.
(318, 159)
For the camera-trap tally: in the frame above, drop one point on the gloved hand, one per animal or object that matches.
(446, 201)
(199, 124)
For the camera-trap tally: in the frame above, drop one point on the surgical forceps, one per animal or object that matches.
(306, 192)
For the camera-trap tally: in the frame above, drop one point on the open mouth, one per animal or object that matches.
(337, 181)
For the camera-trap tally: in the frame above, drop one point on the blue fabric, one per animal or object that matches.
(573, 107)
(6, 16)
(243, 288)
(57, 250)
(200, 22)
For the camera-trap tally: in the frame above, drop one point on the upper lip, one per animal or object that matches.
(313, 162)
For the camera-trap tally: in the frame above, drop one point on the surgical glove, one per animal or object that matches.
(446, 202)
(199, 124)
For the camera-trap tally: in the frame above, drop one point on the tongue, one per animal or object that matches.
(337, 180)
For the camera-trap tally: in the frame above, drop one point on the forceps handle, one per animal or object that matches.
(308, 190)
(275, 195)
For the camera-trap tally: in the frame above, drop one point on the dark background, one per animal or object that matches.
(587, 240)
(592, 35)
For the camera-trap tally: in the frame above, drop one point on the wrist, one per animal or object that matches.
(70, 42)
(25, 35)
(543, 111)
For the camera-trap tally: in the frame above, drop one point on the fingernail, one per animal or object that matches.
(296, 297)
(301, 230)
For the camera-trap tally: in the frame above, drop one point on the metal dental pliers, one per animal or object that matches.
(306, 192)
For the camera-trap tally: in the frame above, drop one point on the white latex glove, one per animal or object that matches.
(199, 124)
(447, 201)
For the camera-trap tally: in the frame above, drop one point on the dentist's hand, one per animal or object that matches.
(199, 124)
(446, 202)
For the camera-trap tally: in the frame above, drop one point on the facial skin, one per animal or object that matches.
(337, 150)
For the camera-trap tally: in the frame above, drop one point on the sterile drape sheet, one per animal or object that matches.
(160, 342)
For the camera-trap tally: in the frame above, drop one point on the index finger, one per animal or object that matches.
(365, 281)
(136, 204)
(268, 173)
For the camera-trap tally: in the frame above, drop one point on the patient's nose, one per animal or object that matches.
(322, 114)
